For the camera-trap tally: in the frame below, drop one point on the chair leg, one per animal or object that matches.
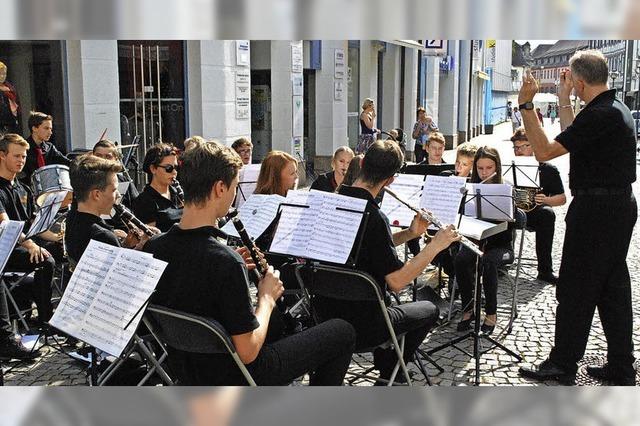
(454, 287)
(400, 364)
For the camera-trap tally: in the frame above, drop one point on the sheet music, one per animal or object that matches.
(107, 288)
(442, 196)
(479, 229)
(10, 231)
(123, 187)
(256, 214)
(526, 171)
(320, 231)
(496, 202)
(409, 188)
(46, 215)
(247, 182)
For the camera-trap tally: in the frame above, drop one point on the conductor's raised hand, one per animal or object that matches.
(418, 225)
(529, 88)
(565, 86)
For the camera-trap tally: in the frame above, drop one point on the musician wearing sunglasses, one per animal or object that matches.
(379, 258)
(207, 278)
(601, 142)
(159, 204)
(542, 218)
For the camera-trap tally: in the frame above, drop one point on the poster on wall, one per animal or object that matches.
(338, 68)
(243, 94)
(297, 84)
(296, 57)
(338, 90)
(242, 53)
(297, 148)
(298, 116)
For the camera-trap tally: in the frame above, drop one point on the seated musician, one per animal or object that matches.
(107, 150)
(244, 148)
(207, 278)
(278, 174)
(330, 181)
(542, 219)
(95, 190)
(159, 204)
(17, 203)
(192, 142)
(434, 149)
(497, 248)
(378, 257)
(41, 152)
(464, 159)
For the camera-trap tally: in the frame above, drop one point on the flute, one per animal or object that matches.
(436, 222)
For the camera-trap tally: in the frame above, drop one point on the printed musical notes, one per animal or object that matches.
(247, 183)
(489, 201)
(324, 227)
(256, 214)
(10, 231)
(442, 196)
(107, 288)
(409, 188)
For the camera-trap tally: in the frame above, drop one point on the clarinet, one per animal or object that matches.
(261, 267)
(127, 216)
(436, 222)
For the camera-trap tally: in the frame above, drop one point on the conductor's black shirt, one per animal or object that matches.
(550, 180)
(602, 143)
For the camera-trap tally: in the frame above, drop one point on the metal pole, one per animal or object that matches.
(144, 115)
(159, 103)
(135, 88)
(153, 138)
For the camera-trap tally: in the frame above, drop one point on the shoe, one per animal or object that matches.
(607, 374)
(487, 329)
(12, 348)
(465, 324)
(548, 277)
(547, 370)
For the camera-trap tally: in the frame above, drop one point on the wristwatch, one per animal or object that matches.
(526, 105)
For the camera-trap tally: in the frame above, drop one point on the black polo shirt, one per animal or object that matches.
(550, 180)
(81, 228)
(151, 206)
(602, 143)
(16, 200)
(206, 278)
(325, 182)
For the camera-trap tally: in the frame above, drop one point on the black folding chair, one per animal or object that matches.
(192, 333)
(347, 284)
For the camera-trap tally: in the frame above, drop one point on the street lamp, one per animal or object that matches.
(614, 75)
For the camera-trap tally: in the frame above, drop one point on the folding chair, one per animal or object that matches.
(11, 287)
(192, 333)
(350, 285)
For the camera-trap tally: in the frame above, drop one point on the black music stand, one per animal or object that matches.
(515, 168)
(475, 333)
(427, 169)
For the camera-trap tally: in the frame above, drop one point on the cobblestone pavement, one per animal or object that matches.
(532, 334)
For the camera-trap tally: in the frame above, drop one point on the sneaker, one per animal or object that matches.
(12, 348)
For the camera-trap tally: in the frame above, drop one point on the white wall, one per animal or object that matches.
(94, 94)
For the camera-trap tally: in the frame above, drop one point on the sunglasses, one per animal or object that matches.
(169, 168)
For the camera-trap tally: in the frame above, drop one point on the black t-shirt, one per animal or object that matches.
(151, 206)
(550, 180)
(326, 182)
(602, 143)
(81, 228)
(16, 200)
(206, 278)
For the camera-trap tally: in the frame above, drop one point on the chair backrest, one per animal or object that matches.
(339, 283)
(192, 333)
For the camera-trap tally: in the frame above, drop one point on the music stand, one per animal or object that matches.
(427, 169)
(515, 168)
(475, 333)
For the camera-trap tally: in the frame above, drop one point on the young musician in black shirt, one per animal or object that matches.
(542, 219)
(41, 152)
(107, 150)
(378, 257)
(434, 149)
(497, 249)
(601, 143)
(205, 277)
(330, 181)
(159, 204)
(95, 189)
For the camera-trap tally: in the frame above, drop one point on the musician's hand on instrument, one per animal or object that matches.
(445, 236)
(155, 230)
(143, 240)
(270, 286)
(120, 234)
(37, 254)
(246, 256)
(419, 225)
(541, 199)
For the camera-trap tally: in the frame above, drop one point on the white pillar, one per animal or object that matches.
(391, 88)
(212, 70)
(432, 78)
(94, 91)
(448, 100)
(282, 96)
(410, 95)
(463, 94)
